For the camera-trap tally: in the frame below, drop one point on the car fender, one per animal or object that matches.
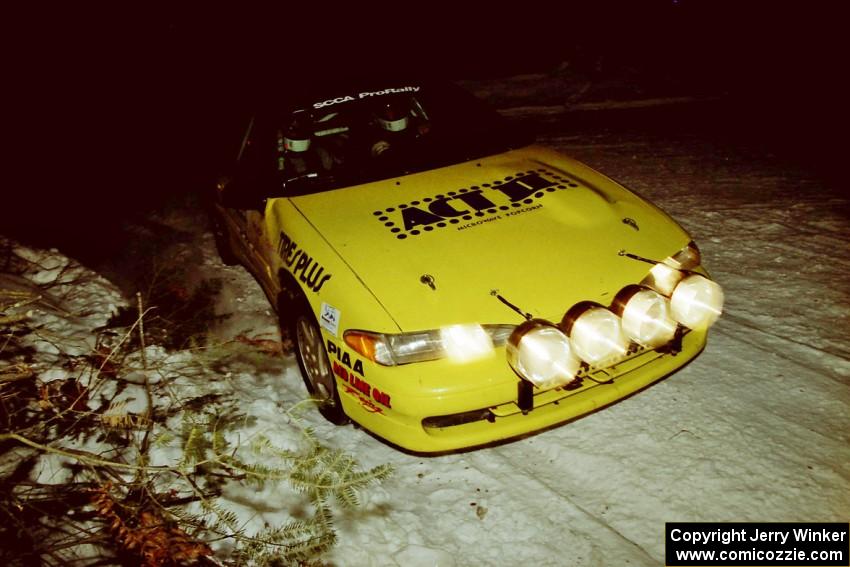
(304, 259)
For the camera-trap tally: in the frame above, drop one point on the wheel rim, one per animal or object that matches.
(316, 366)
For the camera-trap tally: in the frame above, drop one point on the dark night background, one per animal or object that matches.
(117, 112)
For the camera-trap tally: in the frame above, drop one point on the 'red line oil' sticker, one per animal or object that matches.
(362, 390)
(345, 358)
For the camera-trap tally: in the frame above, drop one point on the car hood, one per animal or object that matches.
(539, 229)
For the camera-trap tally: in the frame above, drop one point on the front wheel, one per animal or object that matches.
(314, 364)
(222, 243)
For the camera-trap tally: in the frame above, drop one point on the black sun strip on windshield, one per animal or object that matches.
(364, 95)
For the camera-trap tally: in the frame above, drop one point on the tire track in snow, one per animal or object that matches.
(744, 335)
(607, 539)
(792, 407)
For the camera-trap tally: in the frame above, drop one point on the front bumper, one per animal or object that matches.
(420, 426)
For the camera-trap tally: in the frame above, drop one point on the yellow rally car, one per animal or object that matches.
(447, 283)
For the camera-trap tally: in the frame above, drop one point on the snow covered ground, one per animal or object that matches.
(755, 429)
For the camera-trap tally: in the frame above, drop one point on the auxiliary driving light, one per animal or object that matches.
(540, 353)
(664, 275)
(663, 278)
(697, 302)
(596, 335)
(645, 317)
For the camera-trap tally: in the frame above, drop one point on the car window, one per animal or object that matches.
(255, 168)
(363, 136)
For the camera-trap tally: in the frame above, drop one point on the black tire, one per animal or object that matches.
(316, 369)
(222, 243)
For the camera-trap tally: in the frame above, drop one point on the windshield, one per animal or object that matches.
(362, 136)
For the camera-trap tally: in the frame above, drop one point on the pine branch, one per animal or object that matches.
(84, 457)
(174, 510)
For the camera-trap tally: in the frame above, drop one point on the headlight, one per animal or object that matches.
(645, 317)
(540, 353)
(596, 336)
(697, 302)
(461, 343)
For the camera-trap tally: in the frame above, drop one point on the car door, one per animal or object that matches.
(256, 176)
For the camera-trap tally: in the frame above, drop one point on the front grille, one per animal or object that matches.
(458, 418)
(586, 379)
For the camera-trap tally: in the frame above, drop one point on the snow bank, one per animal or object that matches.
(73, 302)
